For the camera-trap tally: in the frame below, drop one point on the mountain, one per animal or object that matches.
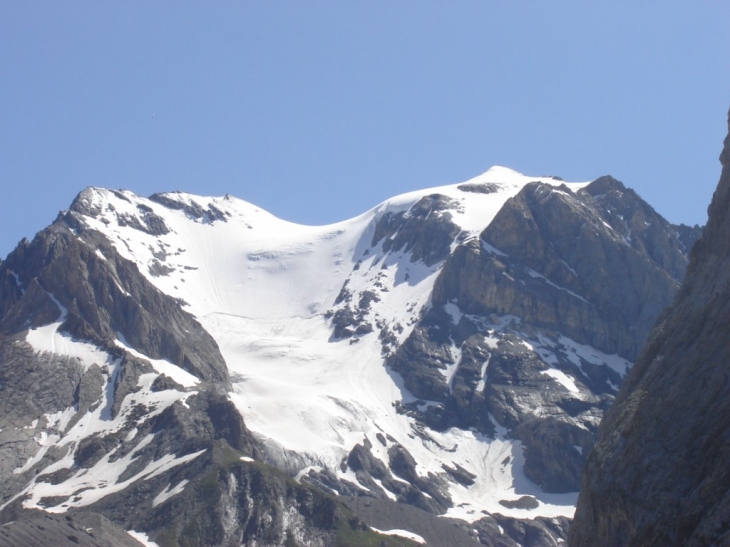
(199, 372)
(658, 474)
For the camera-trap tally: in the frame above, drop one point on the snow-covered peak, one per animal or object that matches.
(223, 254)
(504, 175)
(477, 200)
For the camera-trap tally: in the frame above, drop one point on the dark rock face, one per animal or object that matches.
(193, 209)
(658, 474)
(562, 265)
(34, 528)
(226, 501)
(54, 383)
(223, 500)
(105, 296)
(145, 220)
(425, 230)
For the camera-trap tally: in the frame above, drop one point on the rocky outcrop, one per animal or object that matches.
(597, 269)
(104, 300)
(658, 474)
(493, 530)
(225, 501)
(426, 230)
(505, 340)
(31, 528)
(191, 208)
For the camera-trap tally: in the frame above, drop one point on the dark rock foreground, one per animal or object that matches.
(659, 472)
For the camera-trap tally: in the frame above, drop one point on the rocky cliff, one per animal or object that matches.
(658, 474)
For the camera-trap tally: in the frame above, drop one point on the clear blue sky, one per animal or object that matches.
(317, 111)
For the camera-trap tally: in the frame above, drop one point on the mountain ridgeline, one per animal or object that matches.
(186, 370)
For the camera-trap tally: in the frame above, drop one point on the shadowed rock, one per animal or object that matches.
(659, 473)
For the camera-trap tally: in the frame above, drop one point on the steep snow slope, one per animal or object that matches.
(262, 288)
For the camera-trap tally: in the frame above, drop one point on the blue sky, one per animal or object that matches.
(317, 111)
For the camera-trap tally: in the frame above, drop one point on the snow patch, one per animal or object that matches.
(162, 366)
(490, 249)
(453, 310)
(563, 379)
(401, 533)
(532, 273)
(575, 351)
(143, 538)
(483, 376)
(169, 492)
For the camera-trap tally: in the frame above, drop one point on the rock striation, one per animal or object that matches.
(658, 474)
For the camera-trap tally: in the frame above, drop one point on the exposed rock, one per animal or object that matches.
(658, 474)
(191, 208)
(229, 501)
(560, 266)
(688, 236)
(525, 502)
(106, 297)
(596, 266)
(145, 220)
(539, 532)
(479, 188)
(494, 531)
(426, 230)
(53, 382)
(459, 474)
(36, 528)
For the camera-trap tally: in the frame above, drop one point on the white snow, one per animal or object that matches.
(19, 284)
(532, 273)
(451, 368)
(563, 379)
(162, 366)
(401, 533)
(491, 249)
(169, 492)
(453, 310)
(90, 485)
(575, 351)
(87, 486)
(142, 538)
(482, 377)
(47, 338)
